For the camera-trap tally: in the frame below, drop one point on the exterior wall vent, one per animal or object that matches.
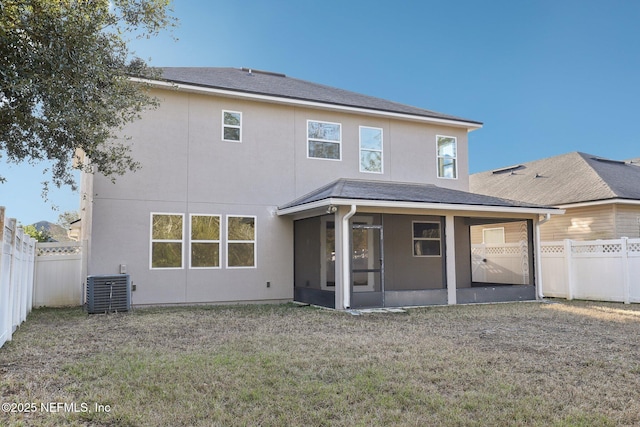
(108, 293)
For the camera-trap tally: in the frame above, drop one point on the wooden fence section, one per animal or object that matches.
(59, 275)
(602, 270)
(17, 260)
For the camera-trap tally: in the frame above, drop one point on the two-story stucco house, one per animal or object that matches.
(256, 186)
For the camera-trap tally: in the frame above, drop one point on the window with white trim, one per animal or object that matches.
(232, 126)
(447, 153)
(241, 241)
(426, 238)
(166, 241)
(370, 149)
(324, 140)
(492, 236)
(205, 241)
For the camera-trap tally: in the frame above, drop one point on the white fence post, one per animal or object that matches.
(625, 271)
(568, 265)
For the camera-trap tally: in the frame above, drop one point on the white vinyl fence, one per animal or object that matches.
(599, 270)
(59, 275)
(500, 263)
(17, 260)
(602, 270)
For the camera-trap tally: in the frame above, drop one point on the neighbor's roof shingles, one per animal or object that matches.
(569, 178)
(279, 85)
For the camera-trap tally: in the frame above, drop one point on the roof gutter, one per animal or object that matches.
(599, 202)
(470, 126)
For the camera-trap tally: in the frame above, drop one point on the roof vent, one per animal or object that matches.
(252, 71)
(615, 162)
(511, 169)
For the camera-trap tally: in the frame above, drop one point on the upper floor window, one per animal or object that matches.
(232, 126)
(205, 241)
(370, 149)
(447, 156)
(324, 140)
(166, 240)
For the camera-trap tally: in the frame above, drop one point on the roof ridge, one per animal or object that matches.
(292, 88)
(585, 158)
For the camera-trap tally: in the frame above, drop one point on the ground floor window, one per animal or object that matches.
(241, 241)
(205, 241)
(166, 240)
(426, 238)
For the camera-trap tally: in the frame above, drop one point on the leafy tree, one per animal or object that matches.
(41, 235)
(64, 81)
(66, 218)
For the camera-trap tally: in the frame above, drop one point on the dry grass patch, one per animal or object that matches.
(564, 364)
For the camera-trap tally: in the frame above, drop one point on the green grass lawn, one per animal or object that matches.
(559, 364)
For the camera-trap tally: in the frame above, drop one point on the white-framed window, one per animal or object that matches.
(447, 154)
(324, 140)
(493, 236)
(167, 231)
(231, 126)
(241, 241)
(370, 149)
(426, 238)
(204, 232)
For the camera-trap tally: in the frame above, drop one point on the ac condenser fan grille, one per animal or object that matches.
(108, 294)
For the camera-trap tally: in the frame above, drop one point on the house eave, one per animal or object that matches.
(326, 204)
(470, 126)
(599, 203)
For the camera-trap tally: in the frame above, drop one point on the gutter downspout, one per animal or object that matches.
(539, 255)
(346, 254)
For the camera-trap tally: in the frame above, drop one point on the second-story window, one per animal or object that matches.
(324, 140)
(447, 157)
(370, 149)
(232, 126)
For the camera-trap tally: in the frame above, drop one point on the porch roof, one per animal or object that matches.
(405, 195)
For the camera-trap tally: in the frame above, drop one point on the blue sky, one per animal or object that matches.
(545, 77)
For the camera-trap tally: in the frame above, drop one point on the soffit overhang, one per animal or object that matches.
(183, 87)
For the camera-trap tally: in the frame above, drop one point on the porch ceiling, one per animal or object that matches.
(386, 194)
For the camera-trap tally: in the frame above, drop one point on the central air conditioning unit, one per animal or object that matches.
(108, 293)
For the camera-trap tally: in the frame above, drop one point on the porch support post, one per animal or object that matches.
(537, 260)
(343, 260)
(450, 258)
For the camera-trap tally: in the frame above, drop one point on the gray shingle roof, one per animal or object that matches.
(279, 85)
(569, 178)
(353, 189)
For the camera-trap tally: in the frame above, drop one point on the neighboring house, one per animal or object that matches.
(601, 197)
(255, 186)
